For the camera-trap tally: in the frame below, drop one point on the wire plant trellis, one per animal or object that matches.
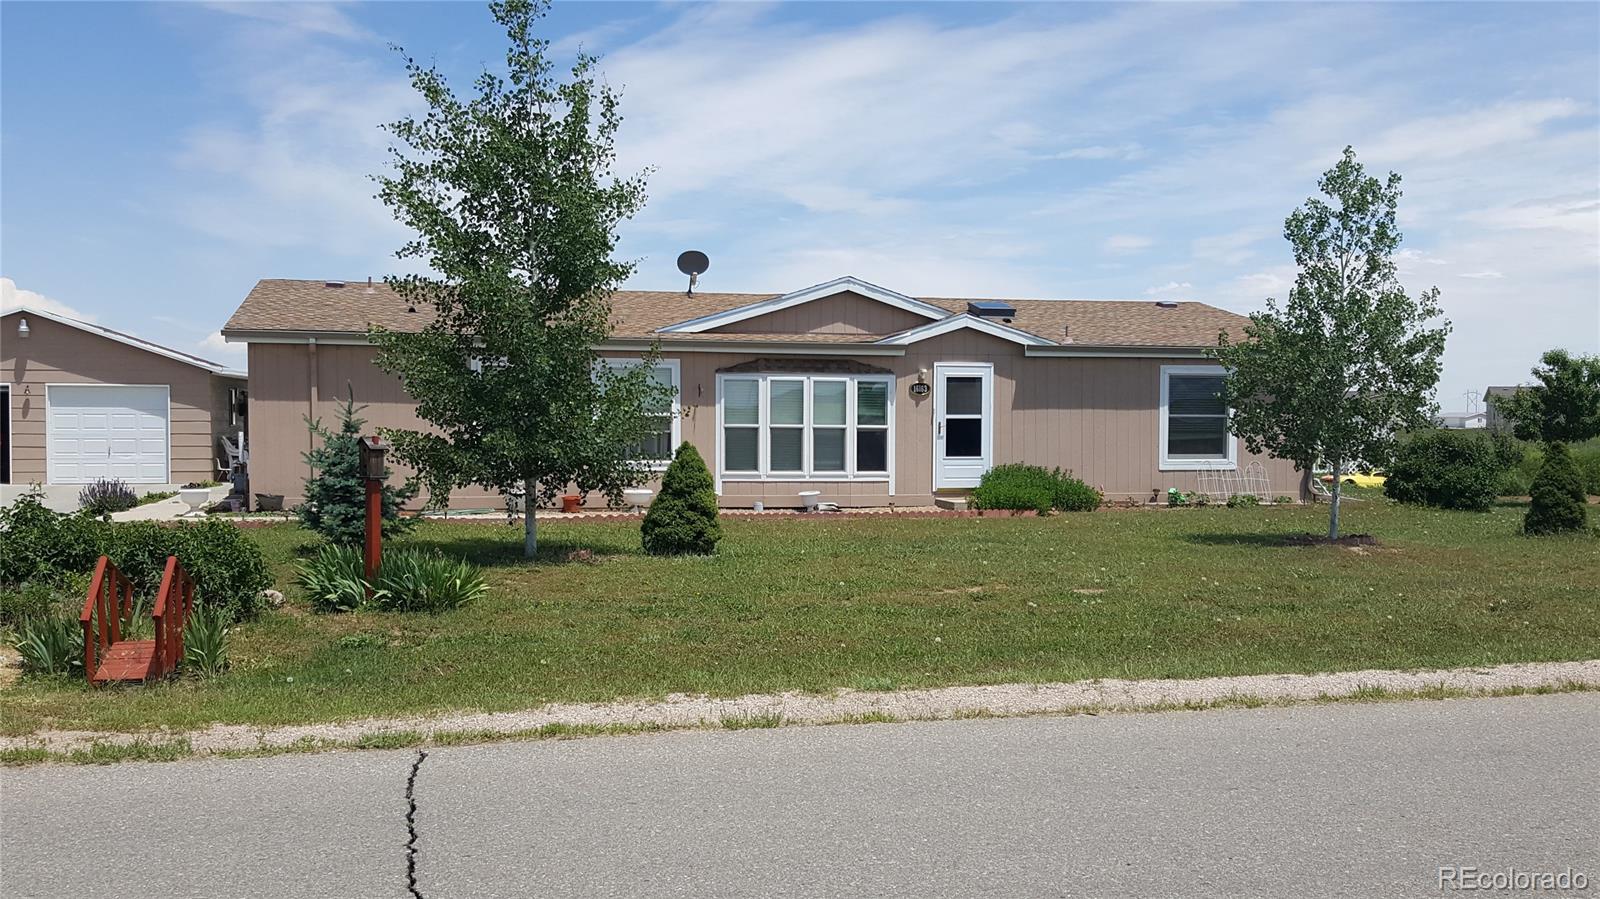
(1219, 484)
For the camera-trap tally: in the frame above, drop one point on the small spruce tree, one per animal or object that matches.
(1559, 504)
(336, 494)
(683, 518)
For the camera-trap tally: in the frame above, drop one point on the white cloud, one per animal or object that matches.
(307, 18)
(289, 167)
(12, 297)
(1485, 274)
(1118, 244)
(1123, 151)
(216, 348)
(1170, 287)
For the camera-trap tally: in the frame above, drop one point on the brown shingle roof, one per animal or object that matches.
(312, 306)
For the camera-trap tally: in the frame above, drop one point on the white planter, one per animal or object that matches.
(195, 497)
(810, 498)
(637, 498)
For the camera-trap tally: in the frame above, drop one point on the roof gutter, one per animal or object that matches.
(631, 344)
(1117, 352)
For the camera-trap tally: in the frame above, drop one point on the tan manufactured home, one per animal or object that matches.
(869, 396)
(83, 402)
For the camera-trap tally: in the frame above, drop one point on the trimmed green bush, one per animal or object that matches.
(38, 545)
(683, 518)
(1448, 469)
(30, 602)
(1559, 505)
(1022, 487)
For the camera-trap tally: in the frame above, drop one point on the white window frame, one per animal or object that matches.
(764, 430)
(1226, 462)
(676, 369)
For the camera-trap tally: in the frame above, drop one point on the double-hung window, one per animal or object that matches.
(1194, 421)
(805, 427)
(657, 446)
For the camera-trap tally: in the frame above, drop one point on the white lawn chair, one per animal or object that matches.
(1321, 493)
(233, 457)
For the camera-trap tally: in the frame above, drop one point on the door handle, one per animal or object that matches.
(940, 432)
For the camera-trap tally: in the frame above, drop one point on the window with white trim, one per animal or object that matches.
(1194, 420)
(805, 427)
(657, 446)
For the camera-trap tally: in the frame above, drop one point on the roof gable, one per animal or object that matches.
(128, 339)
(826, 289)
(965, 321)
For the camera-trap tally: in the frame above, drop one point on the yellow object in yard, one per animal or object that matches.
(1364, 480)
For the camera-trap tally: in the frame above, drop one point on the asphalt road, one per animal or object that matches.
(1332, 800)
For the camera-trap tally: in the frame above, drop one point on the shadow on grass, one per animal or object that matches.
(491, 552)
(1272, 540)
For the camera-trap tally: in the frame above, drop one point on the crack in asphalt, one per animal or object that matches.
(411, 826)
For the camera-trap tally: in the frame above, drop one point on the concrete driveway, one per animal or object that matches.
(1347, 799)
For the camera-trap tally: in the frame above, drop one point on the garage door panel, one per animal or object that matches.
(105, 431)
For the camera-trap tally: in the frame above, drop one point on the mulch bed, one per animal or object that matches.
(1319, 540)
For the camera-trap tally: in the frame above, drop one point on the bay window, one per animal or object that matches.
(1194, 420)
(804, 427)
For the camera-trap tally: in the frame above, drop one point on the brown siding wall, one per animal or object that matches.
(1097, 417)
(289, 382)
(845, 313)
(58, 354)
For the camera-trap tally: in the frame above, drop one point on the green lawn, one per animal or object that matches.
(814, 604)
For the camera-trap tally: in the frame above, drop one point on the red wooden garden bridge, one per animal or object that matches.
(107, 658)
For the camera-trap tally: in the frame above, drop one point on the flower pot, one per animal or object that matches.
(195, 497)
(571, 503)
(637, 498)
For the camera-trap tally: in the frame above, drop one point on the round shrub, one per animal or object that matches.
(1447, 470)
(683, 518)
(1022, 487)
(1559, 505)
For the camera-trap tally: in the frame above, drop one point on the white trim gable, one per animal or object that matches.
(815, 292)
(135, 342)
(962, 321)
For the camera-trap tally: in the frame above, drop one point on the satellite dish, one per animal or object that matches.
(694, 264)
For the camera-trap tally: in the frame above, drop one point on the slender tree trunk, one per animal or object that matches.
(530, 527)
(1333, 514)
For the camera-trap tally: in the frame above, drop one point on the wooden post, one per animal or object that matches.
(372, 471)
(374, 544)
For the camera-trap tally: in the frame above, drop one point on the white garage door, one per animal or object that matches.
(103, 431)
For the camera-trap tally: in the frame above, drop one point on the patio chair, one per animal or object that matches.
(1321, 493)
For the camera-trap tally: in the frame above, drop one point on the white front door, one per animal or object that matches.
(963, 423)
(98, 431)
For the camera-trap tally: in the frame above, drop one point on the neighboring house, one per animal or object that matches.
(83, 402)
(1494, 420)
(1462, 420)
(868, 395)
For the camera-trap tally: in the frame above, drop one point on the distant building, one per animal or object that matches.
(1491, 396)
(1457, 421)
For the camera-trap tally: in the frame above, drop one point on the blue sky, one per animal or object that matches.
(159, 158)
